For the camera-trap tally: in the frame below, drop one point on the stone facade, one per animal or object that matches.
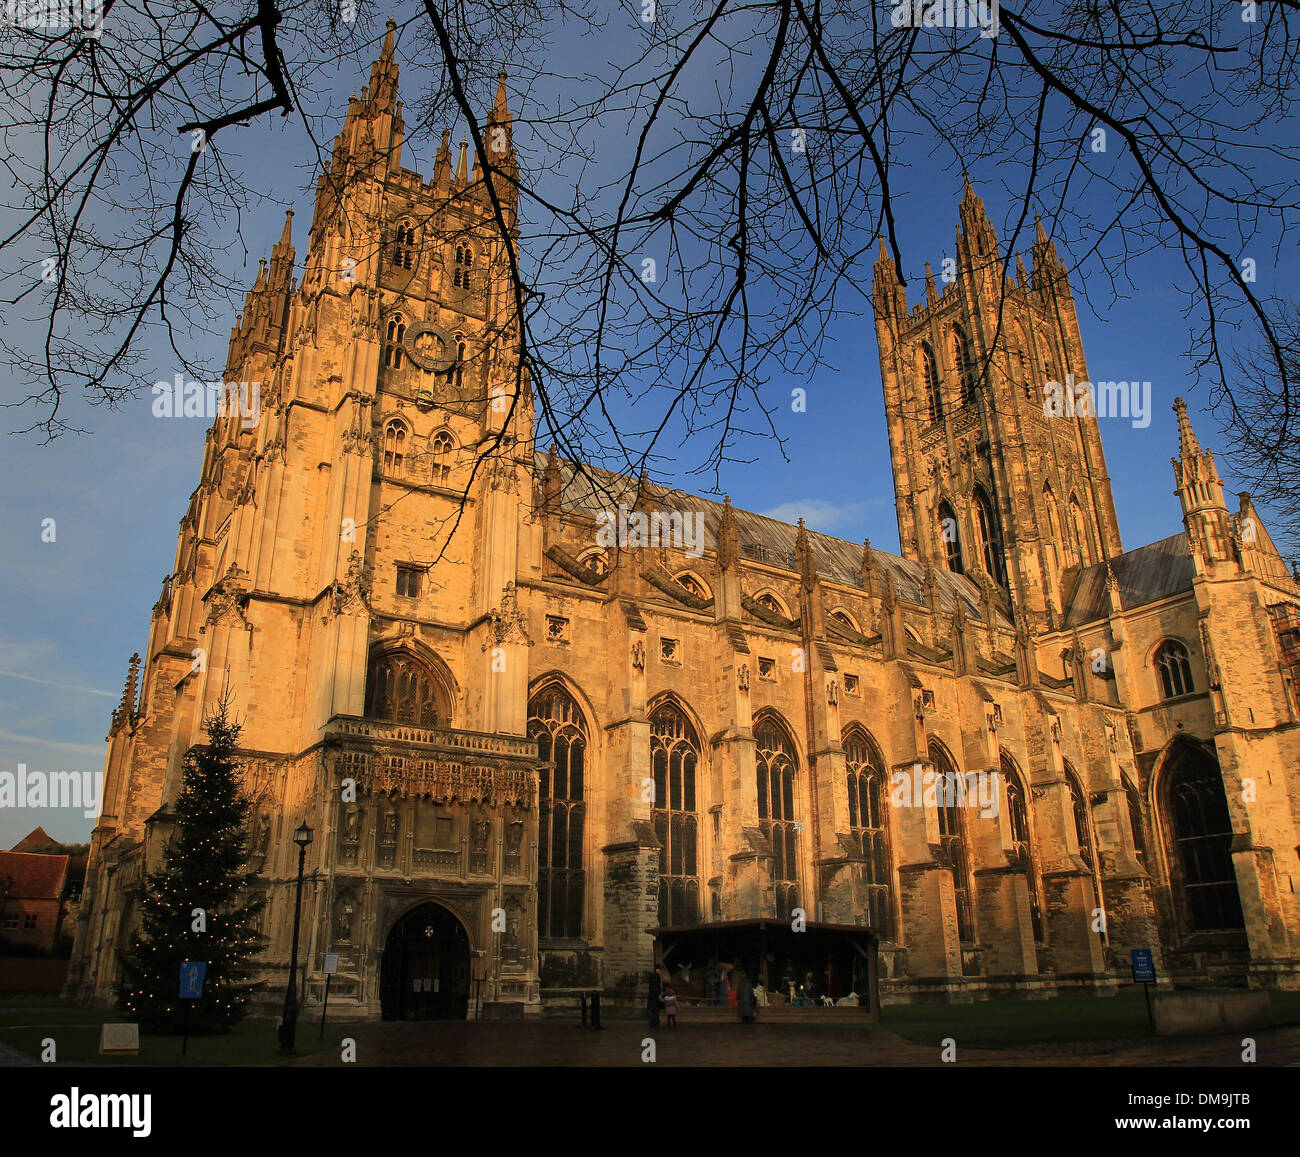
(565, 737)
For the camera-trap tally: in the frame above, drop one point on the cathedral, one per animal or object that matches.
(544, 754)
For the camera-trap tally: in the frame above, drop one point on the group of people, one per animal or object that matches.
(732, 986)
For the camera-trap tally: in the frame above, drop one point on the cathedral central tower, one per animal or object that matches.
(986, 482)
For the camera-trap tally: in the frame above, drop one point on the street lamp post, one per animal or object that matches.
(289, 1022)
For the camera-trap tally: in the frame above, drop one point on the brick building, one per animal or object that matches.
(561, 742)
(32, 891)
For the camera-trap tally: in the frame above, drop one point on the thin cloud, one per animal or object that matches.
(61, 686)
(37, 741)
(819, 514)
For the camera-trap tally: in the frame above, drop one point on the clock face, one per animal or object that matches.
(430, 348)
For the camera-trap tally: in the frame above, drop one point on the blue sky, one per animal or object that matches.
(73, 610)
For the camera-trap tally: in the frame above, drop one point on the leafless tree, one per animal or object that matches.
(1261, 410)
(754, 151)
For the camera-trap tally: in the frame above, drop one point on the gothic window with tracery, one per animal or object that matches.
(403, 245)
(952, 837)
(1175, 669)
(674, 757)
(1053, 515)
(402, 688)
(1200, 828)
(1080, 526)
(692, 585)
(1135, 821)
(557, 724)
(459, 371)
(394, 445)
(990, 540)
(951, 538)
(1018, 817)
(965, 363)
(930, 382)
(464, 264)
(777, 766)
(441, 448)
(1083, 833)
(867, 793)
(393, 346)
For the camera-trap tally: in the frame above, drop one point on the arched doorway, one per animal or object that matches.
(425, 970)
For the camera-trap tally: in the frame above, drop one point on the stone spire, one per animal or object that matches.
(1200, 491)
(728, 537)
(125, 715)
(552, 483)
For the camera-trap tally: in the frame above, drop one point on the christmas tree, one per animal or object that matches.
(201, 903)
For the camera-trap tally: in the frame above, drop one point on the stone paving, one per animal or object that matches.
(561, 1044)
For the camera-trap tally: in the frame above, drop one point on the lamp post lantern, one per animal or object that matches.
(289, 1022)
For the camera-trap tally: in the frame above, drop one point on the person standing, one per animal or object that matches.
(670, 1005)
(745, 1000)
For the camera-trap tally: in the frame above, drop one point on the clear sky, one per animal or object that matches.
(72, 611)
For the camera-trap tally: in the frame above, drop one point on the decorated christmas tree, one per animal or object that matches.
(201, 903)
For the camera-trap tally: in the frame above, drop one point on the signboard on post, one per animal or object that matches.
(1144, 971)
(192, 974)
(331, 970)
(1144, 967)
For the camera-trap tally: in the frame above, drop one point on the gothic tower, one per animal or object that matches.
(987, 481)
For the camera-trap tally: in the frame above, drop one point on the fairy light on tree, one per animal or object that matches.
(201, 903)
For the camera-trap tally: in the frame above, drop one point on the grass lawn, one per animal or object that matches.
(1007, 1023)
(24, 1024)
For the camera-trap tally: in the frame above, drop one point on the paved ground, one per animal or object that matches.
(559, 1044)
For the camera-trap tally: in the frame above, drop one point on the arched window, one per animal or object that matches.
(459, 339)
(464, 263)
(557, 724)
(393, 346)
(1018, 356)
(1175, 669)
(403, 245)
(1200, 829)
(964, 360)
(1080, 527)
(441, 448)
(596, 560)
(1134, 802)
(952, 836)
(1083, 833)
(674, 756)
(930, 384)
(1018, 819)
(777, 765)
(403, 688)
(688, 582)
(394, 445)
(772, 603)
(845, 618)
(990, 540)
(867, 793)
(1053, 514)
(950, 536)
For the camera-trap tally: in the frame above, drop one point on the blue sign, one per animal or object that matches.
(192, 973)
(1144, 968)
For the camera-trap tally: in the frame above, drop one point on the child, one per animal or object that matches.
(670, 1005)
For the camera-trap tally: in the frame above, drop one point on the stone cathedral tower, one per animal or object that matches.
(986, 484)
(389, 381)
